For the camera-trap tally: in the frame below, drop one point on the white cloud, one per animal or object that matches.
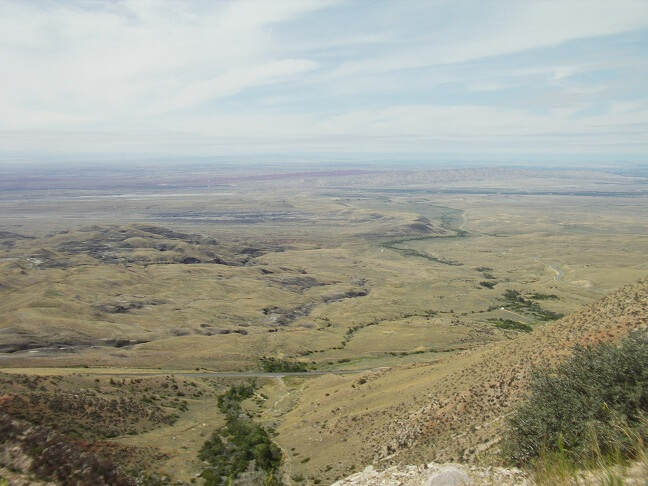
(316, 75)
(237, 80)
(111, 60)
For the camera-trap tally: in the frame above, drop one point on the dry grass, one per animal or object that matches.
(297, 263)
(450, 410)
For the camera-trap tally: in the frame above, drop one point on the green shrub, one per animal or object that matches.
(241, 444)
(539, 296)
(275, 365)
(516, 301)
(512, 325)
(592, 406)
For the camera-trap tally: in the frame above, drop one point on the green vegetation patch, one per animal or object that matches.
(241, 447)
(516, 301)
(590, 408)
(511, 325)
(413, 252)
(276, 365)
(539, 296)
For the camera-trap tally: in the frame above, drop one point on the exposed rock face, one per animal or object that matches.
(434, 474)
(450, 474)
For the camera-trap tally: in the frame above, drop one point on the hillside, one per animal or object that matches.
(448, 411)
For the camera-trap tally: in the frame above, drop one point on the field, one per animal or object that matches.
(121, 285)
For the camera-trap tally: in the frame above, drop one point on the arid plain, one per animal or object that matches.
(121, 285)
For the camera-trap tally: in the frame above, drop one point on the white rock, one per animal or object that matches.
(449, 476)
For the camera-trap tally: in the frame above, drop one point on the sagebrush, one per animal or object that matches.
(593, 405)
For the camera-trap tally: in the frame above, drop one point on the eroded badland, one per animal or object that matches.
(122, 293)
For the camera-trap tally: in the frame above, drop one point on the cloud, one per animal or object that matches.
(237, 80)
(304, 76)
(108, 58)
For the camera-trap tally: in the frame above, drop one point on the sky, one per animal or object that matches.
(521, 81)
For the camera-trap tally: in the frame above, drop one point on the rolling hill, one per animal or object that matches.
(452, 410)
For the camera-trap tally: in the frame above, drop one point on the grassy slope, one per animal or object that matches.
(451, 410)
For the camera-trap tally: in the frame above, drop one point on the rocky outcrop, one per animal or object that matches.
(434, 474)
(451, 474)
